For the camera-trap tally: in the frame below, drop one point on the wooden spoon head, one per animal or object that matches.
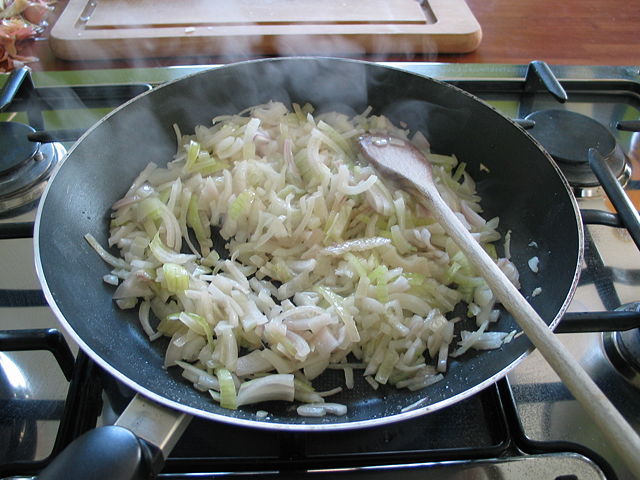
(397, 157)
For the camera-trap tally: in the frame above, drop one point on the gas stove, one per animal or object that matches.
(526, 425)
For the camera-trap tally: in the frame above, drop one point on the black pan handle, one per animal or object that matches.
(107, 453)
(133, 449)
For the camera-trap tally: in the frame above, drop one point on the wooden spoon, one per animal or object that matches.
(402, 160)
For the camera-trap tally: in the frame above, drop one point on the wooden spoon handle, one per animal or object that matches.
(617, 430)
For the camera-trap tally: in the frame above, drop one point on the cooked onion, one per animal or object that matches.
(327, 263)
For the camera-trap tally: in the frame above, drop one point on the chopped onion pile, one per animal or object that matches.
(327, 265)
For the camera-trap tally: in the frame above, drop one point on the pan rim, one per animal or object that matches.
(274, 425)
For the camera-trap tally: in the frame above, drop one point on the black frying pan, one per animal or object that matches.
(518, 182)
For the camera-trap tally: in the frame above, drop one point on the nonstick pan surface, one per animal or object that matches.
(517, 181)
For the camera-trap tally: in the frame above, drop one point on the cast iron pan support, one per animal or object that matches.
(539, 78)
(626, 210)
(18, 79)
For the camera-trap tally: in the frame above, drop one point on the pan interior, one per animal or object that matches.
(516, 180)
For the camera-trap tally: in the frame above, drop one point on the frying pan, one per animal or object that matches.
(516, 179)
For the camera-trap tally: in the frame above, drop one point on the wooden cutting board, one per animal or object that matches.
(108, 29)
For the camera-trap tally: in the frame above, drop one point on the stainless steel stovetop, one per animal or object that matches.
(543, 432)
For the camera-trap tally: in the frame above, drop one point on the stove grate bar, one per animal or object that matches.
(48, 339)
(14, 230)
(22, 298)
(585, 322)
(530, 446)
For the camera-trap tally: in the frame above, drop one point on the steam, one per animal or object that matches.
(143, 131)
(218, 31)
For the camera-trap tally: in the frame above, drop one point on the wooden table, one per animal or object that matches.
(572, 32)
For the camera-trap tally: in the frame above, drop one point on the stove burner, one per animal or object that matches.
(25, 166)
(15, 148)
(623, 349)
(568, 136)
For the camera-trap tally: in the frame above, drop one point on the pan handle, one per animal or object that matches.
(134, 448)
(109, 452)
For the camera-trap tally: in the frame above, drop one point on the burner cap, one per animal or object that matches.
(15, 147)
(623, 348)
(25, 166)
(568, 136)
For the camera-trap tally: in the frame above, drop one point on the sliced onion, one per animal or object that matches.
(321, 409)
(362, 269)
(271, 387)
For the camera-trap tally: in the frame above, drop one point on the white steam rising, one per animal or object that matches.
(229, 31)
